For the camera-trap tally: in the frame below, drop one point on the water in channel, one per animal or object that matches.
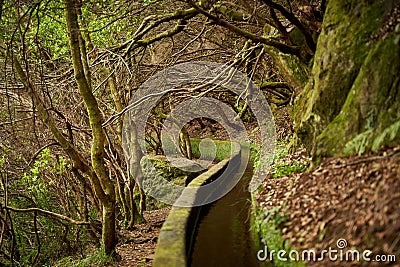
(223, 236)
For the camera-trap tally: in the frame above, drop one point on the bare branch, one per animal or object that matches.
(49, 214)
(287, 49)
(296, 22)
(40, 150)
(150, 23)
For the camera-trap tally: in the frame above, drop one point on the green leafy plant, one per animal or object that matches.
(359, 143)
(266, 228)
(255, 156)
(284, 168)
(279, 167)
(97, 258)
(277, 215)
(389, 133)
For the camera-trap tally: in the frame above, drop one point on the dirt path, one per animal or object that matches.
(139, 244)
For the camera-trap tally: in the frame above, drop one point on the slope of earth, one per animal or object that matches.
(356, 199)
(138, 245)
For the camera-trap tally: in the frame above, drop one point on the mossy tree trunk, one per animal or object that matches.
(351, 102)
(135, 173)
(103, 185)
(126, 197)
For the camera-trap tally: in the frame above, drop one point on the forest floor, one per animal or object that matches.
(352, 198)
(138, 246)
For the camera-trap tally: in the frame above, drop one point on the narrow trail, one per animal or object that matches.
(138, 245)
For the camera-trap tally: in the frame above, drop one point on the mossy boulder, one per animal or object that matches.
(353, 87)
(293, 69)
(168, 172)
(370, 116)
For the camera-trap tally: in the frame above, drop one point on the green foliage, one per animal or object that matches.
(46, 38)
(4, 157)
(280, 166)
(51, 30)
(276, 215)
(255, 155)
(389, 133)
(32, 180)
(40, 187)
(241, 111)
(369, 139)
(266, 224)
(286, 168)
(106, 33)
(97, 258)
(359, 143)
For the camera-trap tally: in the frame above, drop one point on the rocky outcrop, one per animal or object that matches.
(351, 101)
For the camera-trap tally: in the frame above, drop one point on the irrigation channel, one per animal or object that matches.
(216, 234)
(223, 236)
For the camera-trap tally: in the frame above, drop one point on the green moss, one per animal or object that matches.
(173, 241)
(293, 69)
(372, 107)
(97, 258)
(171, 248)
(266, 231)
(163, 167)
(295, 72)
(223, 149)
(286, 168)
(331, 110)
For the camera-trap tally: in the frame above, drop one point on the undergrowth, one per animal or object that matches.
(266, 228)
(97, 258)
(266, 223)
(282, 164)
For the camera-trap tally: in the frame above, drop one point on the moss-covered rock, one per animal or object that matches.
(353, 80)
(170, 173)
(293, 69)
(371, 107)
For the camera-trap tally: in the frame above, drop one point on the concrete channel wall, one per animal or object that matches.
(178, 231)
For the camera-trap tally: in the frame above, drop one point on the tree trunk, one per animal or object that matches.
(135, 216)
(142, 203)
(108, 233)
(103, 186)
(120, 197)
(351, 103)
(185, 146)
(132, 150)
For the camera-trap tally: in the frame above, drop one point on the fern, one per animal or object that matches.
(388, 134)
(359, 143)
